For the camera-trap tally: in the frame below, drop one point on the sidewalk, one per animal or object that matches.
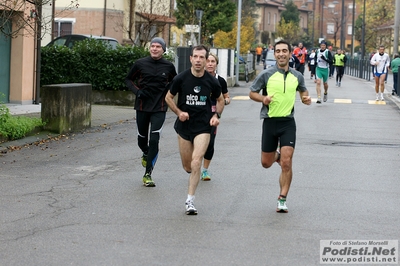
(102, 115)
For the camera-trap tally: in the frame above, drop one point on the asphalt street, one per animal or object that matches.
(79, 199)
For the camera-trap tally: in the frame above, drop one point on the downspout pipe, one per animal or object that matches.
(104, 17)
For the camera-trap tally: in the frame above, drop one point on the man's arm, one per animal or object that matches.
(257, 97)
(373, 60)
(169, 99)
(130, 79)
(329, 59)
(214, 121)
(258, 84)
(305, 98)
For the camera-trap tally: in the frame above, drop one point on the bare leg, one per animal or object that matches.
(382, 82)
(376, 84)
(268, 158)
(192, 156)
(319, 88)
(285, 178)
(186, 150)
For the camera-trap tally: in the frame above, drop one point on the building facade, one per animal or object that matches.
(124, 20)
(322, 19)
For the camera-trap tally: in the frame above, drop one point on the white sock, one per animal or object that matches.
(190, 198)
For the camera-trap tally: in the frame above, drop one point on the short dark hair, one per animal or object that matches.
(201, 47)
(284, 42)
(396, 55)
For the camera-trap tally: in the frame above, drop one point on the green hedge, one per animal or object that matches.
(89, 61)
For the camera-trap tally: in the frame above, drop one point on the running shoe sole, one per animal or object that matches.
(281, 210)
(149, 184)
(191, 212)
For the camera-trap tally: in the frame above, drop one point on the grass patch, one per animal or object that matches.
(16, 127)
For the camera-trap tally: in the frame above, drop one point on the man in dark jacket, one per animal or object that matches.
(148, 79)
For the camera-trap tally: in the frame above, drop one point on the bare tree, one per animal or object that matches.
(145, 20)
(26, 15)
(338, 23)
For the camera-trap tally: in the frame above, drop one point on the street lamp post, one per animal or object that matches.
(362, 44)
(199, 15)
(322, 18)
(239, 23)
(313, 22)
(352, 27)
(342, 31)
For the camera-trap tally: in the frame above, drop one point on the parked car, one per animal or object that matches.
(70, 40)
(269, 60)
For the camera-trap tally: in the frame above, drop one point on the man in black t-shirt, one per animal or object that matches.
(195, 117)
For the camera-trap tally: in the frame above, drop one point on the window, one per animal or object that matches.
(330, 28)
(350, 29)
(63, 26)
(269, 18)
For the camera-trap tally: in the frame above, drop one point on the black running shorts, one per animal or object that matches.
(276, 131)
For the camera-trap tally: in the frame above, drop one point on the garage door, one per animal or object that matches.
(5, 50)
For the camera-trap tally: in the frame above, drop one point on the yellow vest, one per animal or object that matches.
(339, 59)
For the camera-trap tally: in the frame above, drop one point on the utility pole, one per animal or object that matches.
(396, 28)
(313, 24)
(38, 39)
(239, 23)
(361, 74)
(342, 30)
(199, 15)
(322, 18)
(352, 28)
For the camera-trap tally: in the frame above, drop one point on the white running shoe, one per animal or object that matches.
(190, 209)
(281, 205)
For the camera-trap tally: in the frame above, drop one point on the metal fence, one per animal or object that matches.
(360, 68)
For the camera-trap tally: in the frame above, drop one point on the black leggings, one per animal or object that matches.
(339, 73)
(149, 146)
(210, 149)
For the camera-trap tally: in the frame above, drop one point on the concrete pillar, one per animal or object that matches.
(66, 107)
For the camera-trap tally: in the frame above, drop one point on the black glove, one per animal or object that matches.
(323, 57)
(142, 94)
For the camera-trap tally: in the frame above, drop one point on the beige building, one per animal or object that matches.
(128, 21)
(125, 20)
(17, 58)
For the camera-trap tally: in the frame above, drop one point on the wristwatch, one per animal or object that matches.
(218, 115)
